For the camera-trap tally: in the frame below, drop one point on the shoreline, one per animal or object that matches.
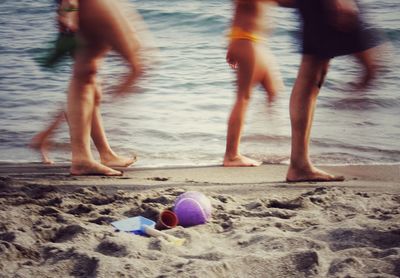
(66, 163)
(217, 173)
(264, 179)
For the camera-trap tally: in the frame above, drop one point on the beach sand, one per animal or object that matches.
(56, 225)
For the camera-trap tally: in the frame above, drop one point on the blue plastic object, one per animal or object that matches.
(134, 225)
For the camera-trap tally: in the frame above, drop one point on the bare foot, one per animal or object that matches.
(241, 161)
(313, 174)
(46, 159)
(118, 161)
(40, 144)
(90, 168)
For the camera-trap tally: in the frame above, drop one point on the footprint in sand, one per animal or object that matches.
(67, 233)
(80, 265)
(103, 220)
(85, 266)
(80, 209)
(113, 249)
(7, 236)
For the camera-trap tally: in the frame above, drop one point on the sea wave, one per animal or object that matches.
(363, 103)
(188, 19)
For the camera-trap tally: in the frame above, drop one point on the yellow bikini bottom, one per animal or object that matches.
(238, 33)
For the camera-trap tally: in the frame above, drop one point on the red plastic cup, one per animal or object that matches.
(167, 220)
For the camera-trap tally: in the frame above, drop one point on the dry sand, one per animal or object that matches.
(55, 225)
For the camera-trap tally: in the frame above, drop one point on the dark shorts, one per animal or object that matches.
(322, 39)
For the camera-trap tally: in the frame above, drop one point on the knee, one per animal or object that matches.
(136, 67)
(243, 98)
(85, 73)
(98, 95)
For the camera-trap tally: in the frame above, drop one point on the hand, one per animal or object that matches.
(68, 17)
(69, 22)
(231, 61)
(128, 81)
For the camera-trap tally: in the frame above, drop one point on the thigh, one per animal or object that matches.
(104, 22)
(243, 52)
(87, 59)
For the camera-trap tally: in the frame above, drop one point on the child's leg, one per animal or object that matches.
(302, 105)
(107, 155)
(41, 140)
(243, 53)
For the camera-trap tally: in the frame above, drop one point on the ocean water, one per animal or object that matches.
(179, 114)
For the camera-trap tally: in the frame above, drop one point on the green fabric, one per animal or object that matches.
(70, 9)
(60, 49)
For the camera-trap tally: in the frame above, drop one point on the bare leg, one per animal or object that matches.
(271, 79)
(104, 21)
(368, 60)
(102, 26)
(245, 58)
(80, 109)
(232, 157)
(302, 105)
(41, 140)
(107, 155)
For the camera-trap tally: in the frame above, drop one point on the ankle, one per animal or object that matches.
(301, 165)
(107, 154)
(82, 161)
(231, 157)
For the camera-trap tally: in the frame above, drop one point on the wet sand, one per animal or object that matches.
(55, 225)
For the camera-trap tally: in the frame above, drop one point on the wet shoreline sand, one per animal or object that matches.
(55, 225)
